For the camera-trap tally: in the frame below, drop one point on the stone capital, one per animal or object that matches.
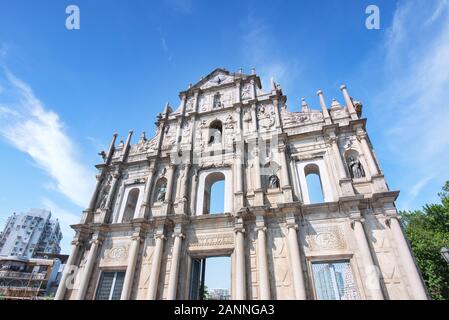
(291, 225)
(178, 234)
(389, 217)
(96, 241)
(160, 236)
(238, 229)
(355, 220)
(77, 242)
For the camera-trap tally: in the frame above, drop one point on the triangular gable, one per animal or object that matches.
(217, 77)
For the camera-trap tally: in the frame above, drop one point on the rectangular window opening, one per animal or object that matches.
(110, 285)
(334, 280)
(211, 278)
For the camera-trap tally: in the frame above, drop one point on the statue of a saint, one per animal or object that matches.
(273, 182)
(355, 168)
(217, 136)
(217, 101)
(161, 193)
(104, 194)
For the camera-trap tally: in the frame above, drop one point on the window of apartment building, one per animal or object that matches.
(334, 280)
(110, 285)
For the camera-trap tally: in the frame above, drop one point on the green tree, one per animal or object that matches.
(428, 231)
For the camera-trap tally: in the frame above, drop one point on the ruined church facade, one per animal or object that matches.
(149, 225)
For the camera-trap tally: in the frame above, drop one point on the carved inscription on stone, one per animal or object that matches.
(213, 241)
(325, 238)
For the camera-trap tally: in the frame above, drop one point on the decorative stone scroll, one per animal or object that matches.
(115, 255)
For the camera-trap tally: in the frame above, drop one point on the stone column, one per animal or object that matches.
(253, 85)
(156, 264)
(94, 197)
(262, 263)
(239, 202)
(408, 263)
(238, 172)
(337, 156)
(361, 136)
(111, 148)
(185, 179)
(285, 179)
(127, 146)
(296, 185)
(327, 118)
(115, 177)
(194, 192)
(295, 260)
(237, 91)
(254, 117)
(372, 281)
(286, 185)
(256, 163)
(132, 259)
(147, 193)
(238, 119)
(276, 110)
(258, 191)
(349, 104)
(95, 244)
(174, 270)
(71, 261)
(170, 182)
(240, 277)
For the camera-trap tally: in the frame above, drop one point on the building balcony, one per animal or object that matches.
(22, 275)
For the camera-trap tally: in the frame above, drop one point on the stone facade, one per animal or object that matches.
(149, 215)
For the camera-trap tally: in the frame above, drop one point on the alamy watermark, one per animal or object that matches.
(372, 22)
(72, 21)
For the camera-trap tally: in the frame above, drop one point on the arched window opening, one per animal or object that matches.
(215, 132)
(131, 204)
(354, 165)
(160, 190)
(214, 193)
(314, 185)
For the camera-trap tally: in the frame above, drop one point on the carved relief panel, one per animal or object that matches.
(325, 237)
(281, 287)
(386, 258)
(115, 252)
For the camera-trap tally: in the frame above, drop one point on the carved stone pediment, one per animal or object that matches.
(217, 79)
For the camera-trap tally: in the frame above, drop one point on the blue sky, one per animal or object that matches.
(63, 93)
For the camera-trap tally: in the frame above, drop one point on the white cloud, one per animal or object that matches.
(415, 103)
(28, 126)
(416, 188)
(166, 49)
(260, 48)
